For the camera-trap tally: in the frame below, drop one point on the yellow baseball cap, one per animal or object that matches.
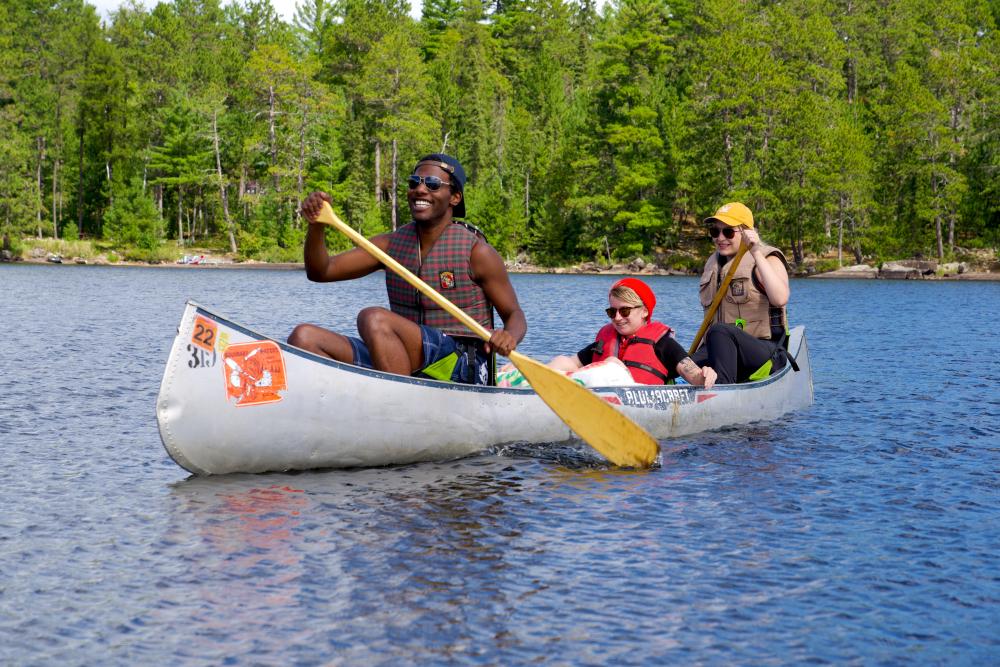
(733, 214)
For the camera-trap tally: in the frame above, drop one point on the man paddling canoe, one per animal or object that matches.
(416, 336)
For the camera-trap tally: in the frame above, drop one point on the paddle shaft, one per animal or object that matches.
(719, 294)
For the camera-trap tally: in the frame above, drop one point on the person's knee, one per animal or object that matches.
(373, 320)
(564, 363)
(303, 336)
(721, 333)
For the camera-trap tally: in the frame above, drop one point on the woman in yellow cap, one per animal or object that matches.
(746, 340)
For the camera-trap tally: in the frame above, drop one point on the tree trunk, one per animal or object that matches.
(180, 218)
(937, 219)
(527, 205)
(856, 244)
(79, 172)
(840, 232)
(57, 194)
(300, 177)
(951, 233)
(38, 182)
(395, 181)
(728, 156)
(271, 119)
(798, 247)
(850, 71)
(241, 193)
(55, 198)
(222, 183)
(378, 173)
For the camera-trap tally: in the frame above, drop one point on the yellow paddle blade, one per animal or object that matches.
(612, 434)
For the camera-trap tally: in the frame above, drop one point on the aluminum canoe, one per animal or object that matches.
(233, 400)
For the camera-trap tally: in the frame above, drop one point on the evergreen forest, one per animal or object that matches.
(865, 128)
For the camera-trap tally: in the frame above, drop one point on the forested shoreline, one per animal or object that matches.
(860, 130)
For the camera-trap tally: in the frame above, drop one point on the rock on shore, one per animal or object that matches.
(910, 269)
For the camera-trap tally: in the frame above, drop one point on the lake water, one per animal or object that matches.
(861, 531)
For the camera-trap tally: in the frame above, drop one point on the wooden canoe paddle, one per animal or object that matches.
(719, 294)
(612, 434)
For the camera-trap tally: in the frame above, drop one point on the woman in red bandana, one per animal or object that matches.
(646, 347)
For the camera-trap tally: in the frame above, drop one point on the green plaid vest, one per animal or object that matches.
(447, 270)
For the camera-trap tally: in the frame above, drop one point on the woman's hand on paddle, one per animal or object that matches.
(501, 342)
(770, 270)
(751, 239)
(313, 204)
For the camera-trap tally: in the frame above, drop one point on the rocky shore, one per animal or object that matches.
(916, 269)
(908, 269)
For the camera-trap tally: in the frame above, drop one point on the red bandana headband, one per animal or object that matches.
(642, 289)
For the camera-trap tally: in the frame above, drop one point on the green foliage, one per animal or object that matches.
(866, 127)
(70, 231)
(66, 248)
(17, 246)
(132, 219)
(158, 254)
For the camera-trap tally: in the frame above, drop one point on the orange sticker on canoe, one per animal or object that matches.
(204, 333)
(255, 372)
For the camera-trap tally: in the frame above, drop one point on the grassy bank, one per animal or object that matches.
(688, 258)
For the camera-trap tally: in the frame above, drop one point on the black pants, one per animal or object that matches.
(735, 355)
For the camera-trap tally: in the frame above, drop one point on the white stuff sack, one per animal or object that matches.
(610, 372)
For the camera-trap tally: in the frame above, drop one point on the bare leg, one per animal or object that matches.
(395, 343)
(322, 341)
(565, 363)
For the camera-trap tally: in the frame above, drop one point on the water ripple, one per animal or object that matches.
(857, 532)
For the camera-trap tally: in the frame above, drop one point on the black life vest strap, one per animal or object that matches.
(648, 369)
(472, 228)
(781, 351)
(645, 341)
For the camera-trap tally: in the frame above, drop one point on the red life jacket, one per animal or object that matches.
(636, 351)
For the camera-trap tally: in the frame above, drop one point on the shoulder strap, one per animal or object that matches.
(472, 228)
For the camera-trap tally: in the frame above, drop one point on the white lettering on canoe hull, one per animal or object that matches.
(658, 399)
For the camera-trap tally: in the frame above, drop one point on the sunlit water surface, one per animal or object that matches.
(861, 531)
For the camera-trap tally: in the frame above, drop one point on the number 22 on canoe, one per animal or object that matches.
(615, 436)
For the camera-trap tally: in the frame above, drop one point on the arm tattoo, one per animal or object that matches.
(688, 367)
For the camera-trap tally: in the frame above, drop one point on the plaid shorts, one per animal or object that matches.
(444, 358)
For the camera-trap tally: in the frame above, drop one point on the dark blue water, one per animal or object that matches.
(862, 531)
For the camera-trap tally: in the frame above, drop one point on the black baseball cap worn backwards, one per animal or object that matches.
(457, 173)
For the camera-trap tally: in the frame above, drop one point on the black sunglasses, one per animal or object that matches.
(728, 232)
(624, 311)
(433, 183)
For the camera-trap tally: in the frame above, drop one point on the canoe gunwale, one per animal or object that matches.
(458, 387)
